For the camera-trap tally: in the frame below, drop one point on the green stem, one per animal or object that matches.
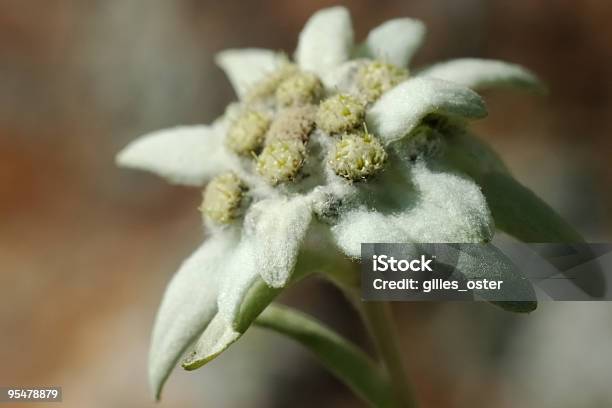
(378, 317)
(345, 360)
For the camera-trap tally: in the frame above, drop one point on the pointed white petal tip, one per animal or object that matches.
(245, 67)
(484, 74)
(217, 337)
(395, 41)
(188, 155)
(326, 40)
(188, 305)
(402, 108)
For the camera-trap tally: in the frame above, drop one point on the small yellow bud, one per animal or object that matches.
(247, 133)
(223, 198)
(377, 77)
(302, 88)
(293, 123)
(281, 161)
(357, 156)
(340, 113)
(266, 87)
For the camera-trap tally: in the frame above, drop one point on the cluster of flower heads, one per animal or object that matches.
(344, 135)
(273, 125)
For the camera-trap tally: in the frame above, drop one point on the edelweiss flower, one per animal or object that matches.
(344, 145)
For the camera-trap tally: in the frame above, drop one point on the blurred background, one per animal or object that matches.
(86, 249)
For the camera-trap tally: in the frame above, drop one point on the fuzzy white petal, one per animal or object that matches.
(189, 155)
(273, 232)
(325, 41)
(395, 41)
(245, 67)
(401, 109)
(447, 208)
(278, 229)
(188, 305)
(242, 296)
(342, 77)
(482, 74)
(240, 276)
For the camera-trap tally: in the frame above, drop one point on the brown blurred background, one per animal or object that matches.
(86, 249)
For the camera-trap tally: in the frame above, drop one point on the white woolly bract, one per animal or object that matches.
(402, 108)
(278, 229)
(395, 41)
(448, 208)
(240, 275)
(482, 74)
(245, 67)
(272, 234)
(325, 41)
(189, 155)
(341, 79)
(188, 304)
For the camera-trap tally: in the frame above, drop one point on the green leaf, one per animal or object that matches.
(515, 208)
(342, 358)
(217, 337)
(486, 261)
(471, 261)
(519, 212)
(471, 155)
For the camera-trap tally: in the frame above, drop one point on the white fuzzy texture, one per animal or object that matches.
(482, 74)
(189, 155)
(206, 295)
(395, 41)
(272, 234)
(218, 336)
(325, 41)
(278, 229)
(188, 305)
(448, 208)
(240, 275)
(401, 109)
(342, 78)
(245, 67)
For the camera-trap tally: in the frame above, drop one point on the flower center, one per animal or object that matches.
(279, 115)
